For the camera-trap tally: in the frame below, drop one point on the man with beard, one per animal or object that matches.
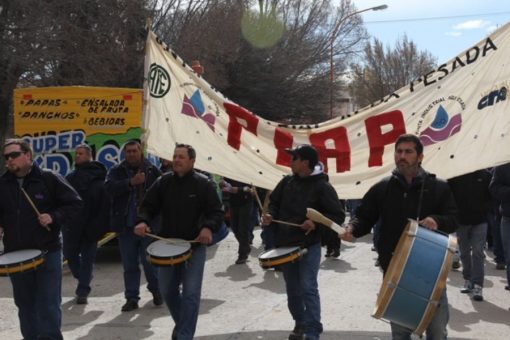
(80, 239)
(37, 293)
(409, 193)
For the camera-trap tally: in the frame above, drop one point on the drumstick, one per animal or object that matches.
(316, 216)
(258, 199)
(277, 221)
(287, 223)
(169, 240)
(33, 206)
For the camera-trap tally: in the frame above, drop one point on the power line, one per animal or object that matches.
(437, 18)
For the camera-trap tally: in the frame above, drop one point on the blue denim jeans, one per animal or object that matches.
(38, 295)
(437, 327)
(505, 241)
(132, 252)
(303, 297)
(472, 240)
(80, 259)
(184, 304)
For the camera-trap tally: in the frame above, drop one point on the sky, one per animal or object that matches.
(445, 28)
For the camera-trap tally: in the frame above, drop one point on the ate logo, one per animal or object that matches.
(159, 81)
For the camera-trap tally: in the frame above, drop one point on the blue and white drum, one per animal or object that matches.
(415, 278)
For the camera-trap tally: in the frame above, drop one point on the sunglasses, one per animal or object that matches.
(13, 155)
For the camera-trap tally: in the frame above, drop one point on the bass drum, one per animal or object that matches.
(415, 278)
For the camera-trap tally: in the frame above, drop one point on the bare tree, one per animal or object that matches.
(101, 43)
(288, 80)
(385, 70)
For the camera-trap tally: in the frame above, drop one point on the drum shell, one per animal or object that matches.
(415, 278)
(278, 256)
(24, 264)
(180, 255)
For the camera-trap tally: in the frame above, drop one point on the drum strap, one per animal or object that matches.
(421, 198)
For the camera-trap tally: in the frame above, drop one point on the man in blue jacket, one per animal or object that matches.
(37, 293)
(307, 187)
(127, 184)
(190, 209)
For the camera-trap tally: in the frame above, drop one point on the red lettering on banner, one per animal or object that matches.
(341, 152)
(282, 141)
(239, 118)
(377, 139)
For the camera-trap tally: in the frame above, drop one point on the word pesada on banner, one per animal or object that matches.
(460, 111)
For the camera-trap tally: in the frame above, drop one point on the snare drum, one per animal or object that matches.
(278, 256)
(415, 278)
(20, 261)
(164, 253)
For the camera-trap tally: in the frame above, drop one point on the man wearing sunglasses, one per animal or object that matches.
(34, 206)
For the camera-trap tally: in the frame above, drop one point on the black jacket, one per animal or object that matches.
(393, 202)
(121, 193)
(289, 200)
(51, 194)
(88, 180)
(500, 187)
(187, 204)
(471, 192)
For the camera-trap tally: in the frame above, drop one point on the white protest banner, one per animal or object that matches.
(460, 111)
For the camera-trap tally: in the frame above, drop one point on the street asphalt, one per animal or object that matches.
(245, 302)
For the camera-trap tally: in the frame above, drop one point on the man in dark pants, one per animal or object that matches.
(410, 192)
(500, 190)
(80, 239)
(307, 187)
(127, 184)
(37, 293)
(190, 209)
(241, 208)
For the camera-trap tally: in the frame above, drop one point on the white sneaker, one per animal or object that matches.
(468, 287)
(477, 293)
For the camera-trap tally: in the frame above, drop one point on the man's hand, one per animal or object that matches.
(308, 226)
(45, 220)
(205, 236)
(141, 228)
(347, 236)
(266, 220)
(137, 179)
(429, 223)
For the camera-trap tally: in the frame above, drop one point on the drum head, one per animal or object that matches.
(278, 252)
(19, 256)
(165, 249)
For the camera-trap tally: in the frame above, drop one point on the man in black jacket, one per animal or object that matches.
(307, 187)
(471, 192)
(80, 239)
(37, 293)
(409, 193)
(500, 190)
(190, 210)
(127, 184)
